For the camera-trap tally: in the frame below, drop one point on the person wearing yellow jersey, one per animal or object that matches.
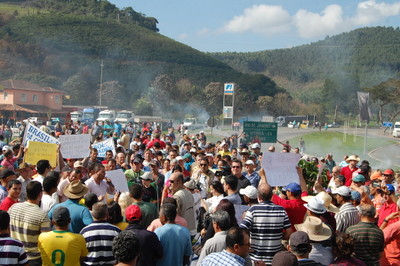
(61, 247)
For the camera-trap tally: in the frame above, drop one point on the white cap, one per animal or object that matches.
(255, 146)
(250, 162)
(179, 158)
(193, 150)
(343, 191)
(250, 191)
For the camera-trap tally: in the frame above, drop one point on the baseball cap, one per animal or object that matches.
(186, 156)
(293, 187)
(250, 191)
(359, 178)
(255, 146)
(5, 148)
(250, 162)
(390, 187)
(146, 176)
(343, 191)
(78, 164)
(6, 173)
(284, 258)
(133, 213)
(355, 195)
(61, 214)
(388, 172)
(299, 240)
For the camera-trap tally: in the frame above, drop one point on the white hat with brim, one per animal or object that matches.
(75, 190)
(326, 198)
(315, 205)
(315, 228)
(353, 158)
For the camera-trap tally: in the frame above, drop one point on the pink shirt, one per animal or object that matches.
(9, 164)
(156, 223)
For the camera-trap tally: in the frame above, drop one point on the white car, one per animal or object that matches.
(396, 130)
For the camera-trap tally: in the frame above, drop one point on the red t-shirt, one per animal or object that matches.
(294, 208)
(385, 210)
(348, 174)
(7, 203)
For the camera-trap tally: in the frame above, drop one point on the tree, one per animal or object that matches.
(384, 94)
(213, 98)
(112, 95)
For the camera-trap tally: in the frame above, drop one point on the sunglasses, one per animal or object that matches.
(236, 167)
(172, 181)
(203, 164)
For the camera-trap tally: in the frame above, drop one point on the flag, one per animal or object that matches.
(365, 112)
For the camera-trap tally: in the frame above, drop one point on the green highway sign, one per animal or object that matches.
(262, 131)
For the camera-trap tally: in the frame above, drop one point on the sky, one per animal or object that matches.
(255, 25)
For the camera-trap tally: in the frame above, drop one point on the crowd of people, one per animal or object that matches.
(191, 202)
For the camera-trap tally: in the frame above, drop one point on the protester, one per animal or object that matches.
(98, 236)
(174, 238)
(61, 247)
(151, 249)
(126, 248)
(28, 221)
(12, 251)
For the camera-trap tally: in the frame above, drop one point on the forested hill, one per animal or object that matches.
(366, 57)
(144, 70)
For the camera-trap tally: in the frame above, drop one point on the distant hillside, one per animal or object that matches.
(367, 56)
(142, 70)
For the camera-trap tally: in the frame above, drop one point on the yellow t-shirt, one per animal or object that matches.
(61, 248)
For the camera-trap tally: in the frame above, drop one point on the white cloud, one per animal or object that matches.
(310, 24)
(260, 19)
(203, 31)
(370, 12)
(183, 36)
(271, 20)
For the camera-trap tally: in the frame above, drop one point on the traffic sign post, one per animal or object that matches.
(261, 131)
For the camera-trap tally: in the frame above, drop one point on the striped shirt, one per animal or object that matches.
(99, 237)
(27, 221)
(369, 242)
(12, 251)
(265, 222)
(347, 216)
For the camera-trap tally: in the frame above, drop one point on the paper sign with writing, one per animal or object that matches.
(104, 146)
(35, 134)
(280, 168)
(118, 179)
(41, 151)
(75, 146)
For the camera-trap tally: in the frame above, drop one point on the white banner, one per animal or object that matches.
(75, 146)
(118, 179)
(280, 168)
(104, 146)
(35, 134)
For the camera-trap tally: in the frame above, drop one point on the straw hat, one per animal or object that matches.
(315, 228)
(326, 199)
(353, 158)
(75, 190)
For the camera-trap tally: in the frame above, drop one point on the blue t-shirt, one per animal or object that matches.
(80, 215)
(176, 242)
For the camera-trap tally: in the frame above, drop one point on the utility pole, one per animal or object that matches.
(101, 81)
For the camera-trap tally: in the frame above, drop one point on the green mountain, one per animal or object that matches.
(327, 73)
(64, 46)
(368, 55)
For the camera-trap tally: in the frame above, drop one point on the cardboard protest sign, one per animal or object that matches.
(104, 146)
(41, 151)
(118, 179)
(33, 133)
(75, 146)
(280, 168)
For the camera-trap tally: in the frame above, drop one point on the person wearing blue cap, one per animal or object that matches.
(389, 206)
(294, 205)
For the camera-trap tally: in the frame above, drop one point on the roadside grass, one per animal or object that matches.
(321, 143)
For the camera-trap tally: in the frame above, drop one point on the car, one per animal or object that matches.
(333, 125)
